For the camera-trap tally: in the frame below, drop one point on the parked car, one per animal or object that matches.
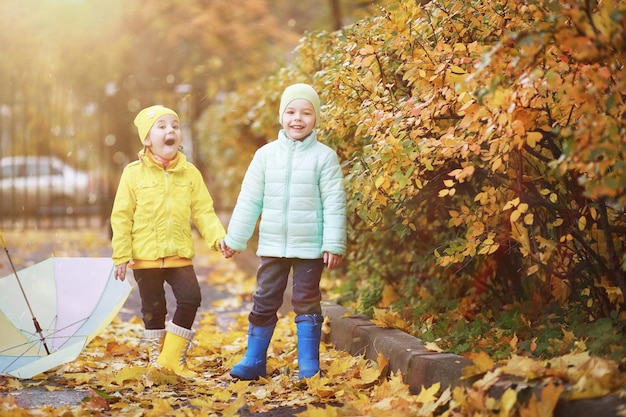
(44, 185)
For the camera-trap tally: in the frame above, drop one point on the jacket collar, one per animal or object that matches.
(175, 164)
(303, 144)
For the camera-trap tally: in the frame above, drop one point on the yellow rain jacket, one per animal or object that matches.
(152, 211)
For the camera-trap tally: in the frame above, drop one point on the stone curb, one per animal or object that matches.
(420, 368)
(406, 354)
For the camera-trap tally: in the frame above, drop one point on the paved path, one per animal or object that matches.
(41, 249)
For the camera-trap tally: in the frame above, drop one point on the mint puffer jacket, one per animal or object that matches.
(297, 189)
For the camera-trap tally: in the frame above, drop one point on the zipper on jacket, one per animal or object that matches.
(167, 210)
(290, 153)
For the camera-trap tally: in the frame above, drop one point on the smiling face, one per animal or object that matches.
(164, 137)
(299, 119)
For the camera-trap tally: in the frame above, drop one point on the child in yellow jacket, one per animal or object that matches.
(156, 198)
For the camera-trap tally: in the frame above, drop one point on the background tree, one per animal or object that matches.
(77, 72)
(74, 74)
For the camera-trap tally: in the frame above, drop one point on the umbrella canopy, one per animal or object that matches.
(51, 310)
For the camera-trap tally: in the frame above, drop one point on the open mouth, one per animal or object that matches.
(170, 142)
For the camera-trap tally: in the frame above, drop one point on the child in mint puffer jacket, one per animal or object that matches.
(295, 185)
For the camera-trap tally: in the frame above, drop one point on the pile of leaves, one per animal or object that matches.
(112, 372)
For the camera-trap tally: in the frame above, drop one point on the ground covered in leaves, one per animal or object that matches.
(112, 373)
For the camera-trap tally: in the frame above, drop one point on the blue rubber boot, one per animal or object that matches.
(309, 328)
(252, 365)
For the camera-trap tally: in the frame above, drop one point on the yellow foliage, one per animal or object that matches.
(482, 363)
(544, 407)
(388, 318)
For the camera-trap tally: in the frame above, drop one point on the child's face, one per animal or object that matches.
(164, 137)
(299, 119)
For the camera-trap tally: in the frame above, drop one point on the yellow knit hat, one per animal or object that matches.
(146, 118)
(296, 91)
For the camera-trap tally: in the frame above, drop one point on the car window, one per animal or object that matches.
(32, 169)
(5, 172)
(12, 171)
(38, 168)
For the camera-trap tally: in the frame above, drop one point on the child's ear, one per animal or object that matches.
(147, 142)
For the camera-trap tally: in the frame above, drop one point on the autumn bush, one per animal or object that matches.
(483, 147)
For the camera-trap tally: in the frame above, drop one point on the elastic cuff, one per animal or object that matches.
(154, 333)
(179, 331)
(313, 318)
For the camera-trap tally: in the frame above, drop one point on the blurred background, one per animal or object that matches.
(74, 73)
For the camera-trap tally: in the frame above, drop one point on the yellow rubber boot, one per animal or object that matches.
(174, 353)
(154, 338)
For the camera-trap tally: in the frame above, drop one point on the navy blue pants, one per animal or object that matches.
(186, 290)
(272, 277)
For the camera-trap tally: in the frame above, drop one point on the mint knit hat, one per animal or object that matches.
(296, 91)
(146, 118)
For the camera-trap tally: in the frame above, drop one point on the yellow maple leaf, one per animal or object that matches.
(524, 367)
(326, 325)
(203, 403)
(312, 411)
(160, 407)
(389, 296)
(339, 367)
(394, 386)
(369, 375)
(482, 361)
(129, 373)
(321, 386)
(386, 318)
(80, 377)
(507, 402)
(587, 388)
(221, 394)
(545, 407)
(432, 346)
(488, 380)
(239, 386)
(428, 395)
(234, 407)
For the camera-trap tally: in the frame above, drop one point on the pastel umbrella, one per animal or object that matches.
(53, 309)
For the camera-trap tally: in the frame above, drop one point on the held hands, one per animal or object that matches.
(331, 260)
(227, 251)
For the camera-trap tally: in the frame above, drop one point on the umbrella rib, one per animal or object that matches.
(53, 335)
(32, 343)
(32, 314)
(29, 346)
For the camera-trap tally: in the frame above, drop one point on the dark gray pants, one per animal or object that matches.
(272, 277)
(186, 290)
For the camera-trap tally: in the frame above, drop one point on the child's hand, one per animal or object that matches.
(227, 252)
(120, 272)
(331, 260)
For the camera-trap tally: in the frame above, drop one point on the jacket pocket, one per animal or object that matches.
(181, 193)
(149, 197)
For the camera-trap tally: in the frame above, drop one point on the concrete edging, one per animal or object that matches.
(420, 368)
